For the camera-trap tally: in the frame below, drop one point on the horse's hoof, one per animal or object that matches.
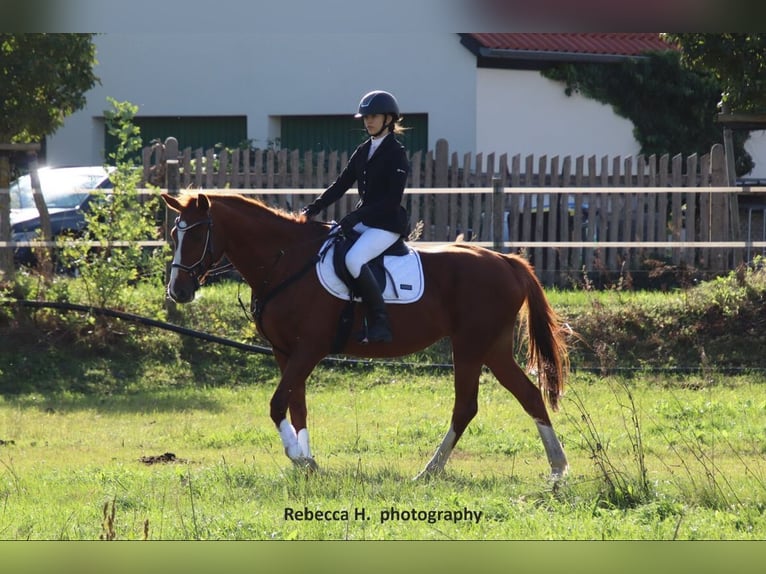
(306, 463)
(427, 474)
(559, 474)
(558, 479)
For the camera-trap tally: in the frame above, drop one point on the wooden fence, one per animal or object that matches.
(566, 214)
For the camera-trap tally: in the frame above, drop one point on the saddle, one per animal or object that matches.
(398, 270)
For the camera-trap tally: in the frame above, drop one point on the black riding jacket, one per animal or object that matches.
(380, 181)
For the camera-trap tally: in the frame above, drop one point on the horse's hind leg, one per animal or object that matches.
(465, 408)
(510, 375)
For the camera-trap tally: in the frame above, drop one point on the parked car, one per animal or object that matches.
(68, 193)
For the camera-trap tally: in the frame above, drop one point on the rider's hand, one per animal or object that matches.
(310, 211)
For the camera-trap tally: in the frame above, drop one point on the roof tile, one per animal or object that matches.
(624, 44)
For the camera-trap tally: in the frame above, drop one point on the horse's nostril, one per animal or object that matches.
(180, 294)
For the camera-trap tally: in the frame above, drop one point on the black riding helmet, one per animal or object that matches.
(379, 102)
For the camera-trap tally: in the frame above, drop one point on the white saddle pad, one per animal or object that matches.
(404, 276)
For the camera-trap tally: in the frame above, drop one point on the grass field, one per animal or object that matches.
(653, 455)
(70, 468)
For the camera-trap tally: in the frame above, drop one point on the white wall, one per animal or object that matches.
(521, 112)
(267, 75)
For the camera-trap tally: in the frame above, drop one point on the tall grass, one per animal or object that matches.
(625, 482)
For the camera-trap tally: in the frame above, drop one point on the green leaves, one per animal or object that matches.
(673, 108)
(737, 60)
(119, 215)
(43, 79)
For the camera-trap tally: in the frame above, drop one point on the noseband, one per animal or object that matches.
(197, 270)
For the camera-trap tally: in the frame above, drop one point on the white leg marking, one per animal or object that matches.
(296, 445)
(303, 441)
(289, 440)
(439, 459)
(556, 456)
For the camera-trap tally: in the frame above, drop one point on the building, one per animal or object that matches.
(480, 92)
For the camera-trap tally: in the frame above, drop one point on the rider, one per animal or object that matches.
(380, 168)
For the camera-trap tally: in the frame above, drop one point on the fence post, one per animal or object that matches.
(498, 207)
(172, 176)
(172, 183)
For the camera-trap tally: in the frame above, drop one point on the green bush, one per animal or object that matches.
(120, 215)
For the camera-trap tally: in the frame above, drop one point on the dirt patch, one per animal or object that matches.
(167, 457)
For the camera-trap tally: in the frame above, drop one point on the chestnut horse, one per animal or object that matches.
(472, 295)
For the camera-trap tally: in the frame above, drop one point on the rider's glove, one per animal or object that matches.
(310, 210)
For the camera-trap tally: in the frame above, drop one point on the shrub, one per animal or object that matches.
(120, 215)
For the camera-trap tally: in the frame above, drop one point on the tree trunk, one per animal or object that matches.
(6, 253)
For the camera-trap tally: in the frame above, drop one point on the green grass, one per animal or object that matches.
(652, 455)
(72, 454)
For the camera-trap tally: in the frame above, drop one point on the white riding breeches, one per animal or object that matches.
(372, 243)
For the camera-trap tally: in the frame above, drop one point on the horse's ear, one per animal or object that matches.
(171, 201)
(203, 202)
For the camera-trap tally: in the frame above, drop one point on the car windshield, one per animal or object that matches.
(61, 188)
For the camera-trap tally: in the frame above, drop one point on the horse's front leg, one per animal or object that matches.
(291, 394)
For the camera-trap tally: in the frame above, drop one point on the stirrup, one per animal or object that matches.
(383, 335)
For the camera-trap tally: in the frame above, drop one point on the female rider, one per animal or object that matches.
(380, 168)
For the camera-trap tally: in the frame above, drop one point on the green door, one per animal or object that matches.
(344, 133)
(191, 131)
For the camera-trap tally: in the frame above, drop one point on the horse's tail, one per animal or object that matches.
(547, 349)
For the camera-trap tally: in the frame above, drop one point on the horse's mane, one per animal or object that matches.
(245, 201)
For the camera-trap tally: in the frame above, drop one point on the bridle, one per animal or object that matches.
(264, 294)
(197, 270)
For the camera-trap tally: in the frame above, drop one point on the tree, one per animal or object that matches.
(738, 62)
(43, 79)
(673, 108)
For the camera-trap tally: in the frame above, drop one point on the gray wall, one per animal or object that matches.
(264, 76)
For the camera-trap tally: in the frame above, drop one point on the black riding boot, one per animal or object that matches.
(378, 329)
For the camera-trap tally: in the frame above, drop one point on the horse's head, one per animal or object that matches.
(196, 250)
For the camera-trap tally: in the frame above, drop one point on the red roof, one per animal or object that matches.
(623, 44)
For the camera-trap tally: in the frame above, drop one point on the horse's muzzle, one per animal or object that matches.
(181, 294)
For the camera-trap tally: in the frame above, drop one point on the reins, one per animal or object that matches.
(263, 294)
(260, 301)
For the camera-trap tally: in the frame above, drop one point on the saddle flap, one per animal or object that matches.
(398, 271)
(376, 265)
